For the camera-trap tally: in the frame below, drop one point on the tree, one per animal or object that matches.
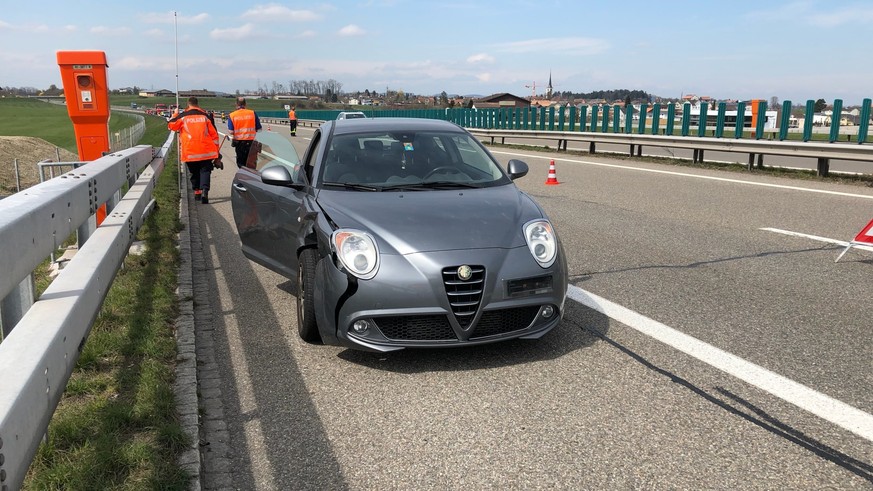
(820, 105)
(444, 99)
(774, 101)
(627, 100)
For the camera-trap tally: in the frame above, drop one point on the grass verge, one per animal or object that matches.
(116, 426)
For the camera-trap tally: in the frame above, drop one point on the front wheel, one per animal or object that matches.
(306, 326)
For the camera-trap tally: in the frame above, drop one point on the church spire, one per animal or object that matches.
(549, 91)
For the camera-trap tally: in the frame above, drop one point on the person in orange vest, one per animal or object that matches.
(199, 141)
(292, 120)
(242, 125)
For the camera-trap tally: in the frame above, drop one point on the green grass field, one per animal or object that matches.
(116, 426)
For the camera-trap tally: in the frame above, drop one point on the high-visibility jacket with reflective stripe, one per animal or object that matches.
(243, 124)
(197, 135)
(292, 114)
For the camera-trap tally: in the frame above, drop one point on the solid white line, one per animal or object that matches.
(821, 405)
(683, 174)
(816, 237)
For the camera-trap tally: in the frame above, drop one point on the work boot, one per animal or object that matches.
(204, 198)
(198, 194)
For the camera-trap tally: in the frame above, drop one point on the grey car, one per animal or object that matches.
(402, 233)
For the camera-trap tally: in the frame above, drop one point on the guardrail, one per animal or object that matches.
(823, 152)
(38, 356)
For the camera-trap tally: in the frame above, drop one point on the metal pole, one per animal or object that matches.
(17, 176)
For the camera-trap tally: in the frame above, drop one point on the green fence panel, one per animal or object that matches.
(551, 118)
(605, 125)
(762, 119)
(572, 118)
(686, 119)
(542, 118)
(525, 118)
(701, 121)
(656, 117)
(644, 113)
(583, 118)
(616, 119)
(865, 121)
(671, 119)
(594, 110)
(740, 125)
(628, 118)
(836, 116)
(562, 118)
(719, 120)
(784, 121)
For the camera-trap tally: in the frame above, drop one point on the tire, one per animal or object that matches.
(306, 325)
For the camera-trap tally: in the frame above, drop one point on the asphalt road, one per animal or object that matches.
(596, 404)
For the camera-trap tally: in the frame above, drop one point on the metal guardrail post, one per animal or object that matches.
(808, 120)
(13, 307)
(835, 120)
(656, 117)
(865, 121)
(784, 120)
(701, 121)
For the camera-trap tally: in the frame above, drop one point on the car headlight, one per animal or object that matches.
(357, 252)
(541, 241)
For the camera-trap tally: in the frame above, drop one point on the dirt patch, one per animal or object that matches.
(29, 151)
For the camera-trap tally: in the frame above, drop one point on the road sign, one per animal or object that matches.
(864, 237)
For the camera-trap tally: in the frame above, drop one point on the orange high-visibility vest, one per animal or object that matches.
(243, 121)
(197, 135)
(292, 114)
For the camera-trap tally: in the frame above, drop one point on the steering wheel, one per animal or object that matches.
(445, 168)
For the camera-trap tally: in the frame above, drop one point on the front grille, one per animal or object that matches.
(416, 328)
(464, 295)
(494, 322)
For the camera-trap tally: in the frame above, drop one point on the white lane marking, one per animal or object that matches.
(816, 237)
(683, 174)
(810, 400)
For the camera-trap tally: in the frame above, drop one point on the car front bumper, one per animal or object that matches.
(417, 300)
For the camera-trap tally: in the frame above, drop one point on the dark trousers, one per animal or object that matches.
(293, 124)
(201, 173)
(242, 151)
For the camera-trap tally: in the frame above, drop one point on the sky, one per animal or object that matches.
(731, 49)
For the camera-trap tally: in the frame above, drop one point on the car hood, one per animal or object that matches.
(425, 221)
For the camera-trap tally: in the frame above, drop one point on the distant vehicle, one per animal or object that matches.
(160, 108)
(351, 115)
(133, 105)
(401, 233)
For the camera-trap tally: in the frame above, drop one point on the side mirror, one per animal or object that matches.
(516, 169)
(278, 175)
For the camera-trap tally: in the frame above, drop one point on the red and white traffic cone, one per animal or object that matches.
(553, 178)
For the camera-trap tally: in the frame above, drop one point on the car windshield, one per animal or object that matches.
(423, 160)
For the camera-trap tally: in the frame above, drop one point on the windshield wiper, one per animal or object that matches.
(432, 185)
(351, 185)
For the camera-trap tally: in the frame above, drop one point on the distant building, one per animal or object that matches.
(156, 93)
(503, 99)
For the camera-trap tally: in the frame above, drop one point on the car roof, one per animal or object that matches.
(361, 125)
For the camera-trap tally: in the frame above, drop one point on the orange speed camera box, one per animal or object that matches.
(83, 74)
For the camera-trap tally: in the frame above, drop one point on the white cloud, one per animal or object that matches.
(5, 25)
(351, 30)
(273, 12)
(244, 31)
(484, 77)
(305, 34)
(70, 28)
(573, 45)
(480, 58)
(155, 33)
(169, 18)
(110, 31)
(849, 15)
